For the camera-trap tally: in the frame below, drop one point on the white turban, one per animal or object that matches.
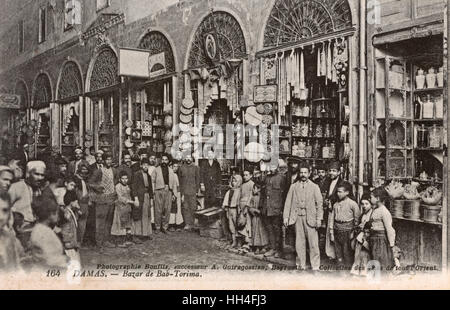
(35, 165)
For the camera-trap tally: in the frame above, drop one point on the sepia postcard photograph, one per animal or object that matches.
(224, 145)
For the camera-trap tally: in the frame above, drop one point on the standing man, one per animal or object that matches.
(330, 186)
(98, 162)
(142, 192)
(126, 166)
(105, 199)
(137, 166)
(303, 207)
(273, 209)
(291, 177)
(165, 182)
(74, 164)
(210, 179)
(24, 192)
(189, 176)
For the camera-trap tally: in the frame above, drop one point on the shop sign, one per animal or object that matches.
(156, 64)
(140, 63)
(134, 63)
(265, 93)
(8, 101)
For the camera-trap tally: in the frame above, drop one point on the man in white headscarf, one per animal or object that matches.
(25, 191)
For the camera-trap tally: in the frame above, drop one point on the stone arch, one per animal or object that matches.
(21, 89)
(70, 80)
(156, 40)
(42, 91)
(229, 31)
(290, 21)
(103, 70)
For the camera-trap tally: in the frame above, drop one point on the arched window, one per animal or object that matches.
(293, 20)
(227, 41)
(155, 42)
(70, 81)
(42, 92)
(105, 71)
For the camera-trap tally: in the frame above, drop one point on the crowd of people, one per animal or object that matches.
(58, 206)
(260, 206)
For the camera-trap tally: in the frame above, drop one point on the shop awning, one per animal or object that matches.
(410, 31)
(8, 101)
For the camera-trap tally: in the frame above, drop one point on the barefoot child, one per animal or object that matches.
(362, 254)
(122, 214)
(345, 216)
(259, 234)
(68, 221)
(231, 205)
(382, 234)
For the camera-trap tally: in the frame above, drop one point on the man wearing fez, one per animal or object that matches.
(189, 177)
(74, 164)
(303, 208)
(210, 178)
(272, 210)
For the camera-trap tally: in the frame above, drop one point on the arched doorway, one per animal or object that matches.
(215, 65)
(39, 133)
(103, 89)
(68, 112)
(306, 55)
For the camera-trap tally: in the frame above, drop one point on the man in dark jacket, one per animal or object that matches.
(189, 177)
(210, 179)
(74, 164)
(272, 211)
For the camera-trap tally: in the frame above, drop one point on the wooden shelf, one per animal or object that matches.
(431, 120)
(417, 221)
(329, 138)
(427, 181)
(429, 149)
(426, 90)
(323, 99)
(315, 118)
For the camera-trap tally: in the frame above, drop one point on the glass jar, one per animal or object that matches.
(326, 151)
(422, 137)
(318, 133)
(297, 128)
(301, 149)
(305, 110)
(304, 129)
(308, 149)
(428, 108)
(435, 137)
(316, 150)
(332, 151)
(327, 131)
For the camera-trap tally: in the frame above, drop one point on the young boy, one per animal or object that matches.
(122, 213)
(259, 233)
(46, 248)
(246, 195)
(231, 205)
(69, 219)
(344, 218)
(10, 247)
(382, 234)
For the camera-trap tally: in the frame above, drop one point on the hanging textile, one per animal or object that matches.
(69, 110)
(318, 61)
(302, 71)
(333, 65)
(329, 66)
(296, 76)
(323, 61)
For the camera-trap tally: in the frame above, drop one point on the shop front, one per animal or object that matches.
(151, 105)
(67, 112)
(103, 103)
(10, 124)
(305, 83)
(409, 130)
(216, 71)
(39, 131)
